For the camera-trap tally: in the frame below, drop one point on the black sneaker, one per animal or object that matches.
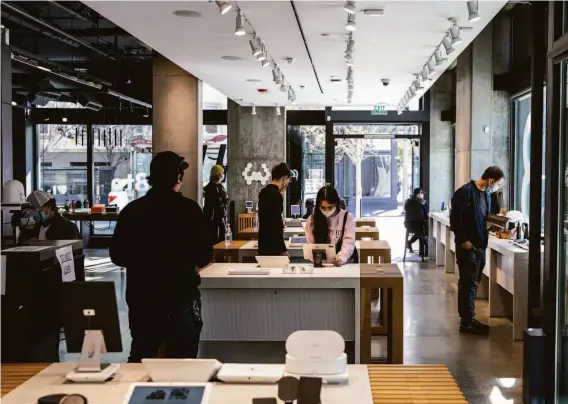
(409, 246)
(480, 324)
(472, 328)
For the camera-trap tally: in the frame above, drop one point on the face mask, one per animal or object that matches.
(44, 217)
(327, 213)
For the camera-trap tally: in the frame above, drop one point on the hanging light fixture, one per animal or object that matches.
(283, 87)
(276, 75)
(262, 54)
(351, 43)
(224, 7)
(455, 33)
(431, 66)
(417, 84)
(239, 29)
(350, 7)
(351, 24)
(438, 56)
(266, 63)
(425, 75)
(447, 42)
(253, 112)
(473, 11)
(255, 46)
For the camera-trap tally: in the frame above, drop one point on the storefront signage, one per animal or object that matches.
(379, 109)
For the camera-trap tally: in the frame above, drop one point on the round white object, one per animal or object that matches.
(332, 366)
(13, 192)
(315, 345)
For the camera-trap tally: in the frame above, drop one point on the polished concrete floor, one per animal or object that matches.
(487, 369)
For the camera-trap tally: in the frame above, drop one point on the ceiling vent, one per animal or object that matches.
(43, 97)
(89, 102)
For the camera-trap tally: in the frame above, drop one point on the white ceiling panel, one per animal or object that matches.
(393, 46)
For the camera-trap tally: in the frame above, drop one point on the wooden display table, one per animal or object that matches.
(413, 384)
(224, 253)
(377, 250)
(15, 374)
(389, 277)
(365, 223)
(366, 233)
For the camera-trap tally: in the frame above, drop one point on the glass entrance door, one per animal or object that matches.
(376, 175)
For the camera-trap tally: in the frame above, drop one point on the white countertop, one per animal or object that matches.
(441, 217)
(50, 381)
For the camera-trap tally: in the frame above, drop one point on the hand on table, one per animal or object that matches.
(336, 261)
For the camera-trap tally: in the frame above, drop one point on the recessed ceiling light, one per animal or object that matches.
(232, 58)
(187, 13)
(254, 80)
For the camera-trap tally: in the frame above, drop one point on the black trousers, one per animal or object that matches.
(217, 232)
(419, 230)
(470, 265)
(174, 334)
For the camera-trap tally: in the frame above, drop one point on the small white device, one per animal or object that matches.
(249, 205)
(297, 241)
(249, 271)
(183, 393)
(317, 353)
(295, 210)
(250, 373)
(329, 251)
(181, 370)
(306, 269)
(289, 269)
(277, 261)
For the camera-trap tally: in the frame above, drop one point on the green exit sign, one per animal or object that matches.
(379, 110)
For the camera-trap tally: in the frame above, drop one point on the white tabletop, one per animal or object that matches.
(221, 270)
(443, 217)
(50, 381)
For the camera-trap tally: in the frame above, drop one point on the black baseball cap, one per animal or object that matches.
(165, 167)
(418, 191)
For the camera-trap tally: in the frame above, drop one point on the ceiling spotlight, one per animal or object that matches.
(283, 87)
(447, 42)
(64, 119)
(239, 29)
(351, 24)
(472, 9)
(46, 119)
(348, 62)
(14, 103)
(265, 63)
(255, 46)
(277, 75)
(224, 7)
(351, 45)
(425, 74)
(253, 112)
(431, 67)
(455, 33)
(262, 54)
(349, 74)
(278, 113)
(147, 114)
(417, 84)
(348, 54)
(438, 56)
(350, 7)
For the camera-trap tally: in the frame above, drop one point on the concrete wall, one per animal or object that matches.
(255, 139)
(441, 151)
(482, 115)
(177, 123)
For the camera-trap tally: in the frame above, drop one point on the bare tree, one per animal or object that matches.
(52, 140)
(115, 143)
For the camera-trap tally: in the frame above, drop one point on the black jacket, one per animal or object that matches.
(466, 218)
(416, 209)
(60, 228)
(216, 201)
(159, 239)
(271, 227)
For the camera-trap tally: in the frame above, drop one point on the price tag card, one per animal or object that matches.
(65, 258)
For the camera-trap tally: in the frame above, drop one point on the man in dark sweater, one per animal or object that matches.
(468, 220)
(416, 217)
(270, 209)
(159, 238)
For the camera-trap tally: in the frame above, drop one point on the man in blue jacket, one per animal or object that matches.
(468, 219)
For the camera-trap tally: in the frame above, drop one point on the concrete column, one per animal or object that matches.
(482, 115)
(441, 152)
(256, 139)
(178, 120)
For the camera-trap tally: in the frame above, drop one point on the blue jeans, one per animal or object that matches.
(470, 265)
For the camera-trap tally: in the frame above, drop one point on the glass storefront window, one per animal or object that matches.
(563, 263)
(363, 129)
(62, 155)
(214, 149)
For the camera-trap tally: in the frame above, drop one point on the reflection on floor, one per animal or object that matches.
(487, 369)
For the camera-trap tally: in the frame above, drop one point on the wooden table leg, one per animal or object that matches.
(396, 324)
(365, 354)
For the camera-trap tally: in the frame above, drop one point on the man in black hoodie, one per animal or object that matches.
(468, 220)
(159, 239)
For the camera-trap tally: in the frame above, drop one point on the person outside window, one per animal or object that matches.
(332, 225)
(468, 220)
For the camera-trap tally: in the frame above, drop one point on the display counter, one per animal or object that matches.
(392, 384)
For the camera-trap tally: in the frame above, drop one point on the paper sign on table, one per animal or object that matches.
(65, 258)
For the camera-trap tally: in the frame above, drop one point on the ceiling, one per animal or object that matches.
(394, 46)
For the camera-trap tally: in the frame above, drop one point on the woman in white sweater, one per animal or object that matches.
(329, 224)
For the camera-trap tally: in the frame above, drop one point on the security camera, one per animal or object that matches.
(385, 82)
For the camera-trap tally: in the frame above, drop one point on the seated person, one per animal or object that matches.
(332, 225)
(310, 204)
(49, 224)
(416, 218)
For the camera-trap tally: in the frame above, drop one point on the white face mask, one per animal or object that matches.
(327, 213)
